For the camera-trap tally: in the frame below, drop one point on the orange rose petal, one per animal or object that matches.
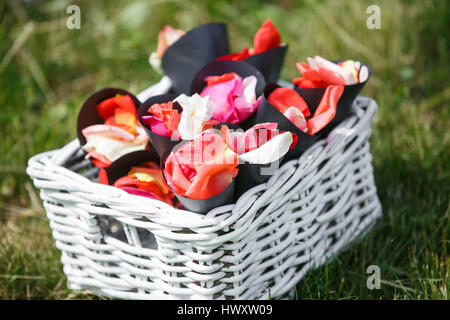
(122, 116)
(154, 173)
(106, 108)
(208, 156)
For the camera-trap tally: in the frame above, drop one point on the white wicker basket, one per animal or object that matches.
(120, 245)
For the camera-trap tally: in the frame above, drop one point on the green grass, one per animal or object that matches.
(46, 71)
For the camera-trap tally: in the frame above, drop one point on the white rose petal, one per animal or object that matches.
(363, 74)
(112, 149)
(249, 87)
(270, 151)
(196, 110)
(345, 74)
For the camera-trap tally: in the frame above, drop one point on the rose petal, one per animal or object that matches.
(270, 151)
(234, 100)
(99, 160)
(244, 54)
(331, 78)
(211, 80)
(249, 89)
(103, 177)
(363, 74)
(113, 132)
(251, 139)
(196, 111)
(349, 65)
(122, 116)
(156, 125)
(266, 38)
(296, 117)
(284, 98)
(141, 193)
(112, 149)
(166, 37)
(201, 168)
(333, 67)
(107, 107)
(326, 110)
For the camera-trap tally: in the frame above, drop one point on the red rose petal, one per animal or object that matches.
(211, 80)
(266, 38)
(283, 98)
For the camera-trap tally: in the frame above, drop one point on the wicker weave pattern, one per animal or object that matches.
(309, 210)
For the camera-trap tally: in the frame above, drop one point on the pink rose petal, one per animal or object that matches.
(156, 125)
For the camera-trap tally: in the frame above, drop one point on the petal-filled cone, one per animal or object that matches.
(121, 166)
(242, 69)
(147, 182)
(116, 170)
(268, 113)
(198, 47)
(88, 114)
(313, 96)
(203, 206)
(159, 142)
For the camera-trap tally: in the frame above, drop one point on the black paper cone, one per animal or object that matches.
(116, 170)
(312, 97)
(251, 175)
(268, 113)
(88, 113)
(198, 47)
(160, 143)
(202, 205)
(269, 63)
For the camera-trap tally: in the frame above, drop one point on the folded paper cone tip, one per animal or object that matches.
(269, 62)
(198, 47)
